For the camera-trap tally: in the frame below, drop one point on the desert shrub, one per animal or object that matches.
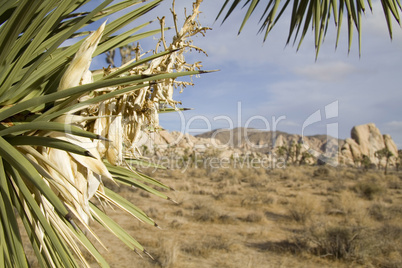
(387, 199)
(251, 200)
(245, 172)
(226, 219)
(337, 186)
(385, 249)
(256, 199)
(349, 203)
(269, 199)
(196, 249)
(183, 187)
(261, 171)
(393, 182)
(368, 189)
(229, 175)
(301, 208)
(253, 217)
(284, 246)
(202, 192)
(281, 173)
(336, 241)
(175, 224)
(374, 176)
(353, 244)
(300, 214)
(292, 173)
(145, 194)
(396, 210)
(179, 213)
(205, 215)
(196, 172)
(283, 201)
(382, 212)
(321, 172)
(153, 212)
(219, 243)
(208, 214)
(257, 182)
(391, 232)
(333, 206)
(378, 212)
(205, 247)
(166, 253)
(203, 211)
(339, 242)
(349, 174)
(219, 196)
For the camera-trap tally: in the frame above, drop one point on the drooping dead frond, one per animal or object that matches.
(63, 129)
(77, 72)
(76, 177)
(124, 118)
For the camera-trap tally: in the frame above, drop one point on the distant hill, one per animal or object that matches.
(265, 141)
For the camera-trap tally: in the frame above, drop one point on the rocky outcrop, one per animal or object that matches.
(365, 143)
(361, 148)
(164, 142)
(390, 144)
(369, 139)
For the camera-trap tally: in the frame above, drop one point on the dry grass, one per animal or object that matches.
(296, 217)
(302, 208)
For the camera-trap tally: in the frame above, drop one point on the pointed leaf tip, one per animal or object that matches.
(149, 255)
(88, 153)
(99, 137)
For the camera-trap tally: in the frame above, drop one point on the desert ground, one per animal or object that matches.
(299, 216)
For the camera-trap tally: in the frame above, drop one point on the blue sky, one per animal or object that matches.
(271, 86)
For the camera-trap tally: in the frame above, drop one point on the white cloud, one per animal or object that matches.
(328, 71)
(397, 125)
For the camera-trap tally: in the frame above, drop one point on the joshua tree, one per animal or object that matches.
(62, 129)
(60, 123)
(299, 154)
(305, 158)
(283, 152)
(366, 163)
(307, 13)
(384, 153)
(399, 160)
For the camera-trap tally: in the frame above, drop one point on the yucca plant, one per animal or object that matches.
(312, 13)
(64, 129)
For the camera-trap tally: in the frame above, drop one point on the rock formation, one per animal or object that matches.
(360, 149)
(366, 140)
